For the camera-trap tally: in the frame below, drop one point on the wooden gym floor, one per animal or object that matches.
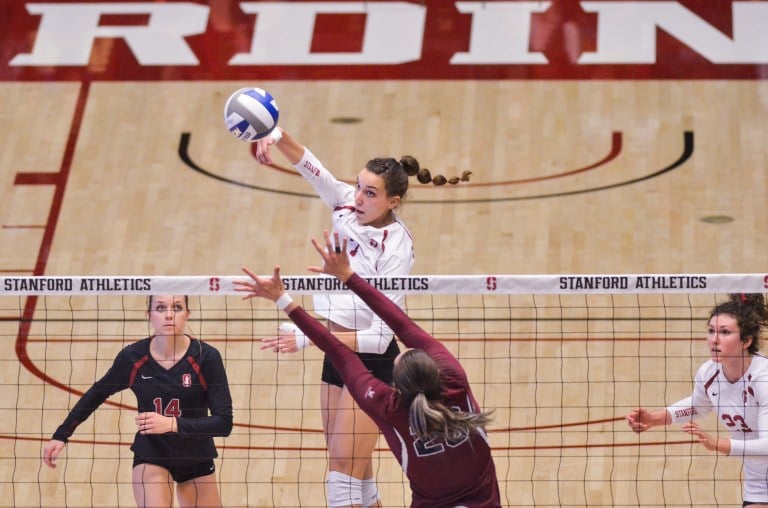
(123, 177)
(100, 197)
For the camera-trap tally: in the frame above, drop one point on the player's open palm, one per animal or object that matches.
(263, 287)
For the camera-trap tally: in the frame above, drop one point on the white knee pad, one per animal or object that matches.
(370, 493)
(343, 490)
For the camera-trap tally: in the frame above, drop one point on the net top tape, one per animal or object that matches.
(414, 284)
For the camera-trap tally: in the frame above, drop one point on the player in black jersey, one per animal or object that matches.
(177, 379)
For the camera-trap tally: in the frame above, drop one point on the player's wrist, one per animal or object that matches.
(302, 341)
(284, 301)
(276, 135)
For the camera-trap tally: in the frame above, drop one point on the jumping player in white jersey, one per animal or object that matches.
(734, 384)
(177, 379)
(379, 245)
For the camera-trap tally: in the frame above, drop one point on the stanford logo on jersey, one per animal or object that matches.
(186, 380)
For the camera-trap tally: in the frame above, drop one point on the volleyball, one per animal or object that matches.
(250, 114)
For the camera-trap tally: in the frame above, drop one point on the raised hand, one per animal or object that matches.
(262, 287)
(262, 153)
(335, 259)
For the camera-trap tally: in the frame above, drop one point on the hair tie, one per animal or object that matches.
(743, 297)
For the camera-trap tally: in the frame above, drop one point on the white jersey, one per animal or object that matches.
(372, 252)
(743, 408)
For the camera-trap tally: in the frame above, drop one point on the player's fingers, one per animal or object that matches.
(268, 343)
(316, 245)
(49, 460)
(262, 151)
(328, 244)
(49, 455)
(248, 272)
(241, 285)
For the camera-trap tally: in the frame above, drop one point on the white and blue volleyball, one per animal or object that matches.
(250, 114)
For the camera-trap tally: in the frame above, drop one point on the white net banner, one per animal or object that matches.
(415, 284)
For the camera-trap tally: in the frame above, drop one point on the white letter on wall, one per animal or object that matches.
(67, 32)
(626, 32)
(394, 33)
(500, 33)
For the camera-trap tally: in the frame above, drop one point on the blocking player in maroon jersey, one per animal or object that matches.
(428, 415)
(183, 402)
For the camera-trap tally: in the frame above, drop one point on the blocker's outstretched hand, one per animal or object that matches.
(335, 259)
(262, 287)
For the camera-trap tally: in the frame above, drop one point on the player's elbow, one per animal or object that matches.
(227, 427)
(226, 422)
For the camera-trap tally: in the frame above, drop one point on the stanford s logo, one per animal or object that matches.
(186, 380)
(214, 284)
(490, 283)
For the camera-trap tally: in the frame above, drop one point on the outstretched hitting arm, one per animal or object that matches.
(288, 146)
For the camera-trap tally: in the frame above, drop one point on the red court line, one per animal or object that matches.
(47, 240)
(323, 449)
(36, 178)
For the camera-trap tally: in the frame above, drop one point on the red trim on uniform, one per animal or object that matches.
(386, 234)
(196, 368)
(710, 381)
(345, 207)
(136, 366)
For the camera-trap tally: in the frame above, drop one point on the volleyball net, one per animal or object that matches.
(562, 359)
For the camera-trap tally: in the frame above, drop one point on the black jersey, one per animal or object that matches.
(197, 383)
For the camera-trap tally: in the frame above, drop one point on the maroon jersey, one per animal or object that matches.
(459, 472)
(197, 383)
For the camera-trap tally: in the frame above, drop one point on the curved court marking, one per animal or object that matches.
(687, 152)
(616, 145)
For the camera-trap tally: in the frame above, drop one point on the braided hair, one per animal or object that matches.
(396, 173)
